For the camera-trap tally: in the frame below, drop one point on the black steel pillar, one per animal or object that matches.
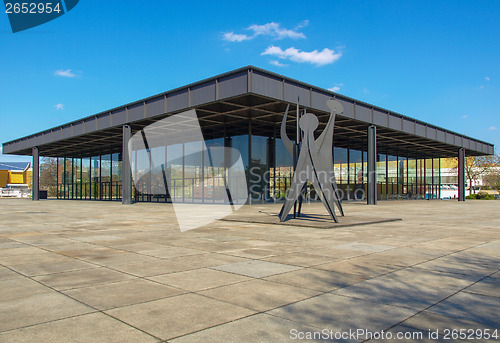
(35, 195)
(461, 174)
(372, 165)
(249, 162)
(126, 171)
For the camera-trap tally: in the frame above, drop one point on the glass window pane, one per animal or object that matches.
(116, 177)
(258, 172)
(105, 177)
(356, 188)
(382, 176)
(86, 178)
(96, 178)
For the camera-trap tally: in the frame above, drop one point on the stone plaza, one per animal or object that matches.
(85, 271)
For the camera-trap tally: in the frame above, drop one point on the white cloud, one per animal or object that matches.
(1, 149)
(492, 128)
(318, 58)
(278, 64)
(65, 73)
(336, 88)
(273, 30)
(276, 31)
(234, 37)
(487, 78)
(59, 107)
(481, 87)
(465, 116)
(301, 25)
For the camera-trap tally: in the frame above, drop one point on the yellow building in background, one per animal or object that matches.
(15, 174)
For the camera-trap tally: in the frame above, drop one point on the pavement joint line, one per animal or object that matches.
(440, 301)
(260, 258)
(213, 326)
(79, 301)
(329, 292)
(139, 277)
(254, 314)
(186, 292)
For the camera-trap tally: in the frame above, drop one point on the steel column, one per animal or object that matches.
(126, 171)
(249, 161)
(372, 165)
(35, 188)
(461, 174)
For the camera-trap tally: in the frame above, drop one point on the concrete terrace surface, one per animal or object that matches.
(83, 271)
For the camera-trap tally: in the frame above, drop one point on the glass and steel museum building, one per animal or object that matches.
(243, 109)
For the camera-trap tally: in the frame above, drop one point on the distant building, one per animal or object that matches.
(15, 179)
(449, 182)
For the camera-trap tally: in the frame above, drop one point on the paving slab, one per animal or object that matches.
(82, 278)
(358, 266)
(199, 279)
(51, 267)
(118, 294)
(478, 308)
(38, 308)
(176, 316)
(320, 280)
(7, 274)
(406, 295)
(16, 288)
(300, 259)
(339, 313)
(365, 247)
(158, 266)
(425, 321)
(489, 286)
(256, 328)
(42, 256)
(259, 295)
(402, 256)
(256, 268)
(21, 251)
(417, 277)
(94, 327)
(449, 265)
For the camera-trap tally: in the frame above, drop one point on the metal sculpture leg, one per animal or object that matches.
(315, 163)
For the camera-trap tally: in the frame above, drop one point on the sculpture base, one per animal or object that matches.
(311, 220)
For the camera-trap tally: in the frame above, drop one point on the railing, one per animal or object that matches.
(213, 190)
(15, 193)
(106, 190)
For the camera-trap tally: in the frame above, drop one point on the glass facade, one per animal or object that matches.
(398, 176)
(268, 169)
(89, 178)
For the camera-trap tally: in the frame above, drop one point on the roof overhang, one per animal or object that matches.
(226, 102)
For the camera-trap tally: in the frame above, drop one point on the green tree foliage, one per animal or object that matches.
(48, 175)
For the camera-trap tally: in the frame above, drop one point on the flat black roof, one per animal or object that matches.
(225, 104)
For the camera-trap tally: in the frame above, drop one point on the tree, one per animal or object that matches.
(492, 179)
(477, 167)
(48, 175)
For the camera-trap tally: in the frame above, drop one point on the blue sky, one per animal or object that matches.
(437, 61)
